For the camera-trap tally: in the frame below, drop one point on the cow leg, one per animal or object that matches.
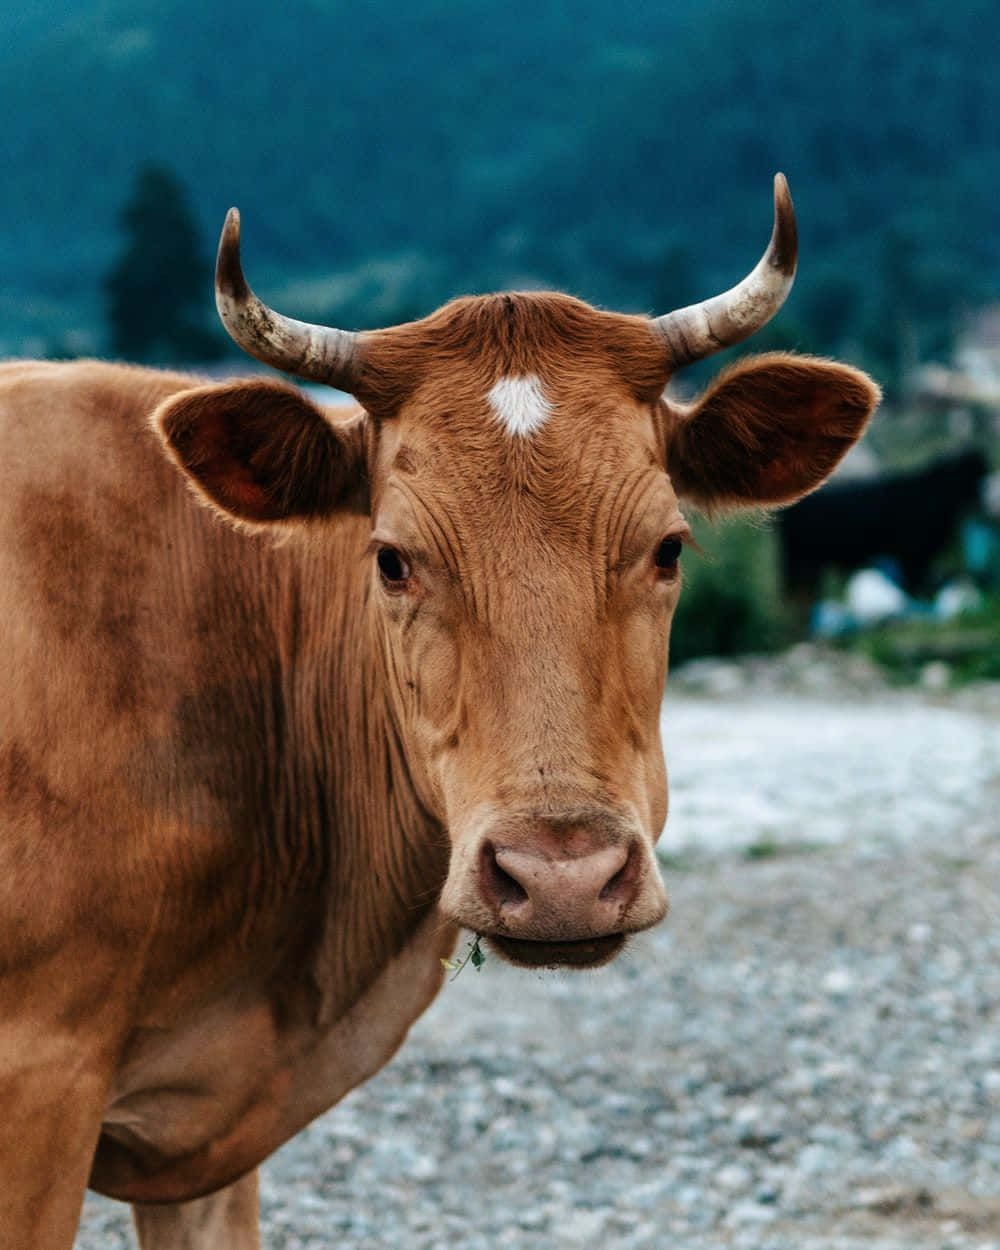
(51, 1103)
(226, 1220)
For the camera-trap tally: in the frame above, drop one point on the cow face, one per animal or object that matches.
(524, 481)
(526, 543)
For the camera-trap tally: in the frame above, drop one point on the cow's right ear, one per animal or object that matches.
(261, 452)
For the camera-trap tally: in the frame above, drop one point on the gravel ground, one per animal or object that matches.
(806, 1056)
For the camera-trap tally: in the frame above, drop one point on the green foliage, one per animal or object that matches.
(763, 848)
(969, 646)
(623, 152)
(731, 601)
(474, 955)
(156, 288)
(766, 848)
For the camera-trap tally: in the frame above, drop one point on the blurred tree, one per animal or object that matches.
(831, 304)
(732, 598)
(892, 336)
(675, 282)
(159, 286)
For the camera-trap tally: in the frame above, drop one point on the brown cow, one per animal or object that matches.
(254, 775)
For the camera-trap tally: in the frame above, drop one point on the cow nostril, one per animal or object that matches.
(504, 889)
(621, 885)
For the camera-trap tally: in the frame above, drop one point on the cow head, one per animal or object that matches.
(524, 476)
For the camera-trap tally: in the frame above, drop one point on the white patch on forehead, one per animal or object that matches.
(520, 404)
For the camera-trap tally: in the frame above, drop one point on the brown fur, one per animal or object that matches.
(509, 334)
(263, 455)
(769, 428)
(249, 790)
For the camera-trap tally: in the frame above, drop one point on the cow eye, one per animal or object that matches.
(667, 555)
(392, 568)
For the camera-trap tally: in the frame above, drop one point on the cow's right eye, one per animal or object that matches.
(667, 555)
(393, 568)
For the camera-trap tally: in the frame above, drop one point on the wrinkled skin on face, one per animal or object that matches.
(523, 476)
(527, 648)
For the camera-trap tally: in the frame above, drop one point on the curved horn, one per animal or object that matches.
(319, 353)
(701, 329)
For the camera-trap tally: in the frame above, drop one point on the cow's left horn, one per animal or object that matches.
(319, 353)
(701, 329)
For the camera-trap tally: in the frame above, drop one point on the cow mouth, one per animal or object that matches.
(582, 953)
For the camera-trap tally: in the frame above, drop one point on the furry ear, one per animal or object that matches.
(768, 430)
(262, 452)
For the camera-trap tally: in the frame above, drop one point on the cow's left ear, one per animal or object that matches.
(767, 431)
(261, 452)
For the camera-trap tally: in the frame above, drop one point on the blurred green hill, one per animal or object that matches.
(386, 157)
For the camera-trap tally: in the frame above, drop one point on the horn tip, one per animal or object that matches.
(784, 241)
(229, 278)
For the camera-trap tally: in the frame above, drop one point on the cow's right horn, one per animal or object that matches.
(319, 353)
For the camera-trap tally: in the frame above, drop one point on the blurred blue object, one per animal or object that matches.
(830, 619)
(873, 597)
(956, 598)
(980, 540)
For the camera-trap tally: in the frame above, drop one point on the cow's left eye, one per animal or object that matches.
(393, 568)
(667, 555)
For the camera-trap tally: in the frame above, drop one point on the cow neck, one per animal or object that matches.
(383, 857)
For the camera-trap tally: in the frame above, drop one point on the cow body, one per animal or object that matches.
(197, 760)
(290, 695)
